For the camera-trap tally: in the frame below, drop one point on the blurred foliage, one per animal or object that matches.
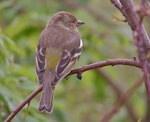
(75, 101)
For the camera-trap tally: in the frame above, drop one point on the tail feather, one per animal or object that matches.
(49, 82)
(46, 102)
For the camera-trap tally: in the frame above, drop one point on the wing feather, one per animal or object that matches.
(67, 61)
(40, 62)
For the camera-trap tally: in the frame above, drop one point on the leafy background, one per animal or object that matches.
(86, 100)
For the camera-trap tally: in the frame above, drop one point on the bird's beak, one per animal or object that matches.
(79, 23)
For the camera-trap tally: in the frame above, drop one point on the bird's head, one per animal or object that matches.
(66, 19)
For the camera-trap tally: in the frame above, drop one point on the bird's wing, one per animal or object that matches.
(68, 59)
(40, 62)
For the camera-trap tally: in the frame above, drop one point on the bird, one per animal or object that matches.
(58, 49)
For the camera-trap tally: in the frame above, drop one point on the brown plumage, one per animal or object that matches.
(59, 48)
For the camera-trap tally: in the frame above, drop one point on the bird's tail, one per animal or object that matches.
(46, 102)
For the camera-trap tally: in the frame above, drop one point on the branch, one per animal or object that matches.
(111, 62)
(123, 98)
(27, 100)
(76, 71)
(128, 9)
(141, 38)
(119, 91)
(118, 5)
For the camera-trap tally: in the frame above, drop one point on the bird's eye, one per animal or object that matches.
(73, 21)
